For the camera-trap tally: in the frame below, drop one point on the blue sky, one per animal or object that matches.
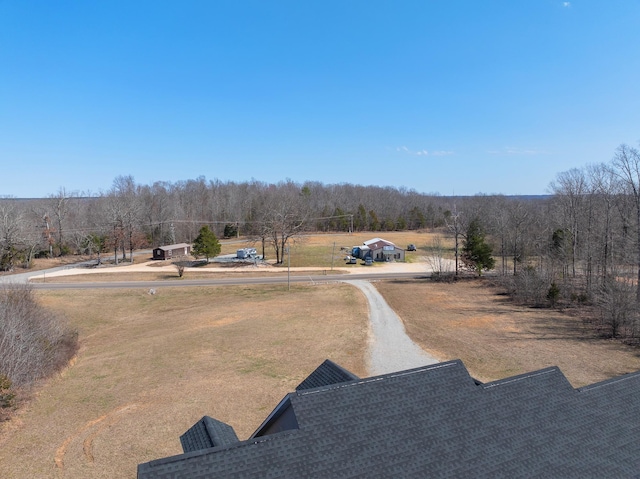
(456, 97)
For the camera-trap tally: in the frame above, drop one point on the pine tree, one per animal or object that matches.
(476, 252)
(206, 244)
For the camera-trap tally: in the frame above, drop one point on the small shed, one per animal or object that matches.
(172, 251)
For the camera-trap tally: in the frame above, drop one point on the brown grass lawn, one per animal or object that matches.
(150, 366)
(497, 339)
(318, 250)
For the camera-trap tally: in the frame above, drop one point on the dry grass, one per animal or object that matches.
(319, 250)
(496, 339)
(150, 366)
(120, 276)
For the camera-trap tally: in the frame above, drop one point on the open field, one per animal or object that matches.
(151, 365)
(318, 250)
(497, 339)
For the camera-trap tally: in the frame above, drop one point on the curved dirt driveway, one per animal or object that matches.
(390, 348)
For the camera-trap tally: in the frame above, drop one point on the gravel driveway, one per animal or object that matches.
(390, 349)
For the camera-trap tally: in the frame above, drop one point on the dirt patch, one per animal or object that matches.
(497, 339)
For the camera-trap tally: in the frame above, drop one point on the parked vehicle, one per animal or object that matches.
(246, 253)
(411, 247)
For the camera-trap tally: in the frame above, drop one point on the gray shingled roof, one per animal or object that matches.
(436, 421)
(207, 433)
(327, 373)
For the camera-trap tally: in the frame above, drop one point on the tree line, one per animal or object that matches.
(580, 244)
(129, 215)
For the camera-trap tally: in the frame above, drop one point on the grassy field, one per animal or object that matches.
(325, 250)
(496, 339)
(151, 365)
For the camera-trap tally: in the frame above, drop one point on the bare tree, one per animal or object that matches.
(518, 216)
(570, 187)
(626, 165)
(285, 217)
(436, 259)
(605, 187)
(498, 222)
(456, 226)
(60, 207)
(123, 206)
(11, 226)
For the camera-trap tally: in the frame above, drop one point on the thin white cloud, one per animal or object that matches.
(404, 149)
(515, 151)
(566, 4)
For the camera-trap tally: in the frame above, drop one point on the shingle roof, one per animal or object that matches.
(327, 373)
(207, 433)
(436, 421)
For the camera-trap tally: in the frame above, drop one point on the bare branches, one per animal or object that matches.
(626, 165)
(34, 341)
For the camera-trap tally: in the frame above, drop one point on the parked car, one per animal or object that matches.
(411, 247)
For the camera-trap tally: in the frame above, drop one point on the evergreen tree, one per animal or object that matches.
(476, 252)
(206, 244)
(230, 230)
(360, 218)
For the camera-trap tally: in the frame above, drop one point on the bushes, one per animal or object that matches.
(34, 342)
(527, 287)
(616, 302)
(7, 397)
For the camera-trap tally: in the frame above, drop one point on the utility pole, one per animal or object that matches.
(333, 253)
(288, 268)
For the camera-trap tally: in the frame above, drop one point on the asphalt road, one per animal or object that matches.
(224, 281)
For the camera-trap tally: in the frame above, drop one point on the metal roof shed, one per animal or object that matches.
(172, 251)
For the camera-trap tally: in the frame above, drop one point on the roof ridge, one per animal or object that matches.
(381, 377)
(607, 382)
(521, 377)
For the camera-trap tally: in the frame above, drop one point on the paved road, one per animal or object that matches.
(25, 277)
(223, 281)
(390, 348)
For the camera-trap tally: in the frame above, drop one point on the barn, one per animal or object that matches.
(172, 251)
